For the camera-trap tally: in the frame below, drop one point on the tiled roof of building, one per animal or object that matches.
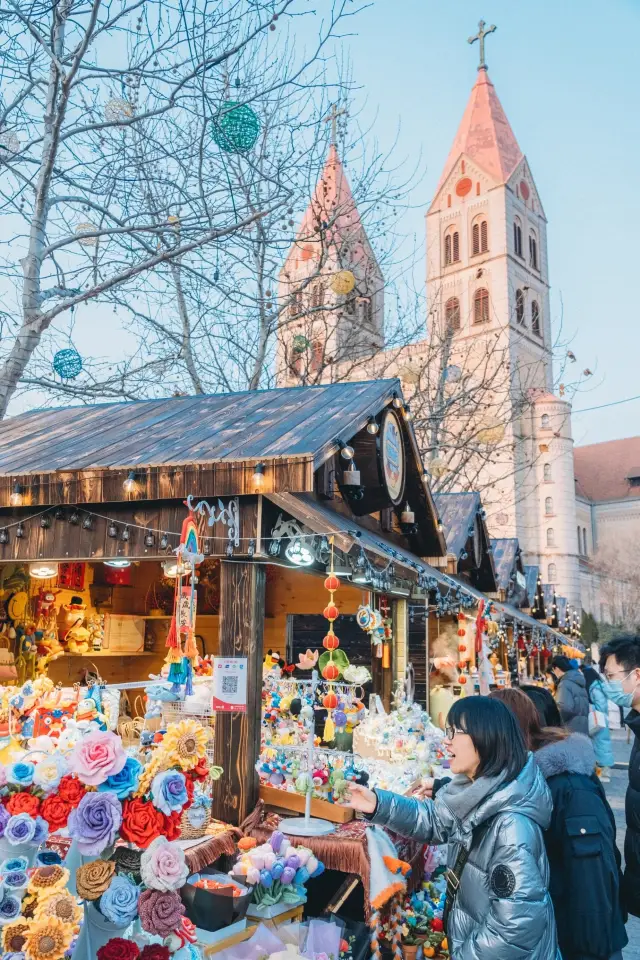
(457, 512)
(505, 552)
(603, 470)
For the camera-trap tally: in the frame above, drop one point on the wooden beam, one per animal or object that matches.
(400, 657)
(237, 746)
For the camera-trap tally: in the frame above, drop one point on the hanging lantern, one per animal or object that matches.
(9, 143)
(490, 432)
(331, 642)
(330, 701)
(331, 612)
(235, 127)
(331, 671)
(118, 110)
(299, 344)
(67, 364)
(331, 583)
(342, 282)
(86, 228)
(437, 467)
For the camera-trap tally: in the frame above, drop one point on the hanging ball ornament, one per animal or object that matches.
(118, 110)
(67, 364)
(331, 642)
(331, 583)
(331, 671)
(330, 701)
(437, 467)
(9, 143)
(343, 282)
(331, 612)
(86, 228)
(235, 127)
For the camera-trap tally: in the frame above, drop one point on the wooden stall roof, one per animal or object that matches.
(505, 557)
(295, 422)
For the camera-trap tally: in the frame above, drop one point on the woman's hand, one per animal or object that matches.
(425, 790)
(361, 799)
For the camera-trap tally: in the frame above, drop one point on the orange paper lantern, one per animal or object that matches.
(331, 583)
(462, 647)
(330, 672)
(462, 679)
(331, 612)
(331, 642)
(330, 701)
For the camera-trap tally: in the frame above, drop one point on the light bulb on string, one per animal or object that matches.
(16, 499)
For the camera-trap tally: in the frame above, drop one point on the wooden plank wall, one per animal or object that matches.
(160, 483)
(237, 745)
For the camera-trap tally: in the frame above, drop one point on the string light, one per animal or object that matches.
(130, 485)
(258, 476)
(16, 499)
(149, 540)
(74, 518)
(372, 426)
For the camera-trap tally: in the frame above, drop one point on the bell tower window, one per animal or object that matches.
(451, 247)
(481, 306)
(520, 306)
(452, 313)
(517, 237)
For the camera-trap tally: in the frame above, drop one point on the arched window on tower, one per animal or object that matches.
(451, 246)
(479, 237)
(517, 237)
(317, 295)
(552, 573)
(535, 318)
(579, 541)
(547, 472)
(452, 313)
(548, 506)
(295, 305)
(544, 421)
(584, 542)
(520, 305)
(551, 537)
(481, 306)
(367, 311)
(317, 356)
(533, 251)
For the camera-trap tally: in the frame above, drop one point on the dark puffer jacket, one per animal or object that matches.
(583, 857)
(631, 883)
(573, 701)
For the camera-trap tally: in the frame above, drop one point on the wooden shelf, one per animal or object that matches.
(108, 653)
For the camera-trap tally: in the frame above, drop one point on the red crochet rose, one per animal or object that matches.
(201, 771)
(118, 949)
(56, 812)
(23, 803)
(141, 822)
(172, 828)
(437, 925)
(154, 951)
(71, 790)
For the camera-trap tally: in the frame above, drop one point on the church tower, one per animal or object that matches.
(488, 283)
(330, 287)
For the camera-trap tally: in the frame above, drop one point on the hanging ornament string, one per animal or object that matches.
(330, 671)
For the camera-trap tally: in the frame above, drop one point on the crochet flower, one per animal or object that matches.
(48, 773)
(41, 832)
(160, 913)
(14, 936)
(118, 949)
(96, 757)
(48, 858)
(95, 823)
(16, 881)
(3, 776)
(172, 826)
(71, 790)
(125, 782)
(23, 803)
(60, 904)
(155, 951)
(48, 880)
(55, 811)
(9, 908)
(119, 903)
(169, 791)
(141, 822)
(92, 879)
(163, 866)
(13, 864)
(21, 773)
(48, 939)
(20, 829)
(186, 743)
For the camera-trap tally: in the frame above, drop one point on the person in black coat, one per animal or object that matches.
(620, 664)
(581, 839)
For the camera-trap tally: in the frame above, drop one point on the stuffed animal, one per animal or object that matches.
(71, 615)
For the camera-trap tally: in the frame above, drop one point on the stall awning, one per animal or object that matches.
(347, 535)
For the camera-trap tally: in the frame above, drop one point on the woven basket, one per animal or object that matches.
(188, 831)
(129, 730)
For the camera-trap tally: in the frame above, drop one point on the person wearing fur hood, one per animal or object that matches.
(580, 840)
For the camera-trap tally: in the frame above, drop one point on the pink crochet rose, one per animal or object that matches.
(96, 757)
(163, 865)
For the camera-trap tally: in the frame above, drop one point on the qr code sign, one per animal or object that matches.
(229, 685)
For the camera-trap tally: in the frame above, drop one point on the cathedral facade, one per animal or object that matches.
(487, 351)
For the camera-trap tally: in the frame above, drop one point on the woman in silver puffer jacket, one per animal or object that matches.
(491, 815)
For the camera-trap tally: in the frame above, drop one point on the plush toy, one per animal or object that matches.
(70, 616)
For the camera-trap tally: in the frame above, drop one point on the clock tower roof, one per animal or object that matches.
(485, 134)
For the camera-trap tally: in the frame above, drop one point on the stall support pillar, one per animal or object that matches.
(400, 639)
(237, 745)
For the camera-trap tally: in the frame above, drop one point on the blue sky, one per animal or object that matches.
(567, 75)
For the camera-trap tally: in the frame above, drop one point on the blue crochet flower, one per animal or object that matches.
(10, 908)
(21, 773)
(119, 903)
(124, 783)
(16, 881)
(169, 791)
(14, 864)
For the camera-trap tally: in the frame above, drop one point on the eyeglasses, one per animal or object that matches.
(615, 676)
(451, 732)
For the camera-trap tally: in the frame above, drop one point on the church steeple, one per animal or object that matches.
(484, 135)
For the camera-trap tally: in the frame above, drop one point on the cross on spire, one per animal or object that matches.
(333, 119)
(481, 34)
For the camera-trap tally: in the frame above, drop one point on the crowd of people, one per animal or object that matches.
(533, 866)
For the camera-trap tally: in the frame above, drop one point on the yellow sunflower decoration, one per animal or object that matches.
(14, 936)
(184, 745)
(48, 939)
(48, 880)
(61, 905)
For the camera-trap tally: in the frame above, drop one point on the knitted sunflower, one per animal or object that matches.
(61, 905)
(14, 936)
(48, 939)
(185, 743)
(48, 880)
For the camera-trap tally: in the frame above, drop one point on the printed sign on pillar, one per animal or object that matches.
(230, 684)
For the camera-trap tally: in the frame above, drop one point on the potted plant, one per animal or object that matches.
(410, 941)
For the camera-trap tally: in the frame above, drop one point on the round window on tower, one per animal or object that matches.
(525, 193)
(463, 187)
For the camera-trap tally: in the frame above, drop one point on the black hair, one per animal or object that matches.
(544, 703)
(591, 676)
(562, 663)
(626, 650)
(495, 733)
